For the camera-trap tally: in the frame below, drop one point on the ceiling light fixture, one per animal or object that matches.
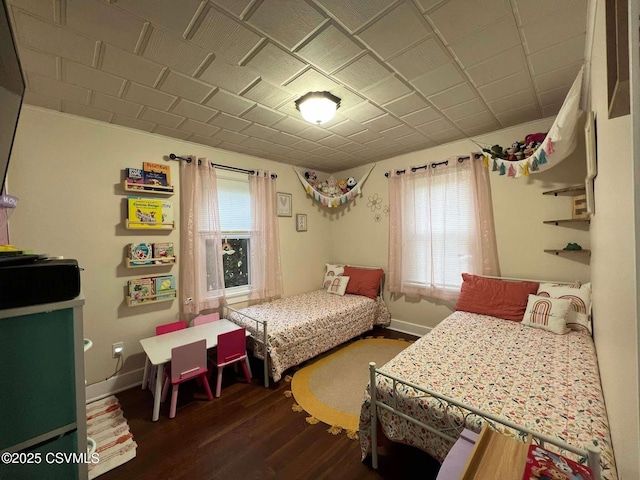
(318, 107)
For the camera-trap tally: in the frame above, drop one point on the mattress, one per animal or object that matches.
(546, 382)
(302, 326)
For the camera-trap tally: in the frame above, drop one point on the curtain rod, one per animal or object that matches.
(434, 164)
(173, 156)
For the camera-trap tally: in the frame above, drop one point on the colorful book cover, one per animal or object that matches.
(134, 175)
(156, 174)
(140, 289)
(145, 212)
(543, 464)
(140, 254)
(167, 211)
(163, 284)
(163, 253)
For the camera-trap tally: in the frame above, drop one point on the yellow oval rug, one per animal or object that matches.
(331, 389)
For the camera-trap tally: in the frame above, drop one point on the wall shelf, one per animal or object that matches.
(151, 299)
(567, 221)
(137, 225)
(567, 191)
(570, 252)
(166, 190)
(157, 262)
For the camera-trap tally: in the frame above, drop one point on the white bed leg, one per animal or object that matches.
(593, 460)
(374, 415)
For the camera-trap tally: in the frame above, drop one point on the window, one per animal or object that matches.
(234, 204)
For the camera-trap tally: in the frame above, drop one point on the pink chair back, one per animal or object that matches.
(188, 361)
(209, 317)
(170, 327)
(231, 346)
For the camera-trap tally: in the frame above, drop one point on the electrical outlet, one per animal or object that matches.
(117, 349)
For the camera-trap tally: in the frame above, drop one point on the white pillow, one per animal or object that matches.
(338, 285)
(579, 316)
(330, 272)
(547, 313)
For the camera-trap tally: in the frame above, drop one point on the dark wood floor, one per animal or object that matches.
(250, 432)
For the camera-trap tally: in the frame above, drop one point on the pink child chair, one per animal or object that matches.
(161, 330)
(209, 317)
(187, 362)
(232, 348)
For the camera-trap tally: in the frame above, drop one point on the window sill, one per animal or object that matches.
(237, 297)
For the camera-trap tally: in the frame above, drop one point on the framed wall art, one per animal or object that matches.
(301, 222)
(284, 207)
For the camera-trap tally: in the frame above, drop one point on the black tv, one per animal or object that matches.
(11, 92)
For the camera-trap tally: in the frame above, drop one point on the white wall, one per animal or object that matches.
(67, 173)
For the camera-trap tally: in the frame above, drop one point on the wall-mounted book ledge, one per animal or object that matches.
(140, 187)
(165, 296)
(151, 262)
(139, 225)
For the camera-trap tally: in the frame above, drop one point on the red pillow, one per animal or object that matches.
(497, 298)
(364, 281)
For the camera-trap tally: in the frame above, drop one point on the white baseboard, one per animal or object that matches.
(410, 328)
(114, 385)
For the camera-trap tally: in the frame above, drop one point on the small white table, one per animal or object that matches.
(158, 350)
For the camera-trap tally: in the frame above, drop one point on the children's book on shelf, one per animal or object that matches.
(149, 212)
(134, 175)
(164, 284)
(140, 289)
(157, 174)
(140, 254)
(163, 253)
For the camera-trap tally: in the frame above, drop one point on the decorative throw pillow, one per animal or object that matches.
(498, 298)
(364, 281)
(547, 313)
(579, 316)
(338, 285)
(332, 271)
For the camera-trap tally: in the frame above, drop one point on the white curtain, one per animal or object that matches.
(201, 271)
(266, 272)
(440, 226)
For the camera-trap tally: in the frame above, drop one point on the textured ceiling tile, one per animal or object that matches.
(405, 105)
(199, 128)
(291, 125)
(225, 36)
(78, 74)
(553, 58)
(53, 88)
(258, 144)
(483, 120)
(284, 139)
(230, 77)
(388, 89)
(185, 87)
(353, 147)
(260, 131)
(438, 79)
(162, 118)
(163, 12)
(399, 131)
(550, 97)
(348, 127)
(231, 137)
(529, 12)
(549, 110)
(103, 21)
(503, 64)
(363, 72)
(52, 39)
(364, 136)
(39, 100)
(419, 59)
(227, 102)
(275, 64)
(41, 8)
(482, 45)
(475, 128)
(362, 112)
(149, 96)
(323, 151)
(421, 116)
(515, 100)
(235, 7)
(330, 49)
(412, 139)
(311, 81)
(38, 62)
(459, 18)
(506, 86)
(304, 145)
(334, 141)
(177, 54)
(115, 105)
(133, 123)
(229, 122)
(557, 27)
(288, 21)
(445, 136)
(519, 115)
(395, 31)
(260, 114)
(381, 143)
(267, 94)
(435, 126)
(354, 13)
(171, 132)
(558, 78)
(465, 109)
(119, 62)
(212, 142)
(454, 96)
(188, 109)
(314, 133)
(428, 4)
(85, 111)
(382, 123)
(347, 98)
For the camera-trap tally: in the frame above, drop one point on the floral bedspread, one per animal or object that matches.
(302, 326)
(546, 382)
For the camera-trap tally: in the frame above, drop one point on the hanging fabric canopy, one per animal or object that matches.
(558, 144)
(336, 199)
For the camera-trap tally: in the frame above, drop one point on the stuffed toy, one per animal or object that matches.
(342, 185)
(351, 183)
(311, 176)
(496, 151)
(534, 137)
